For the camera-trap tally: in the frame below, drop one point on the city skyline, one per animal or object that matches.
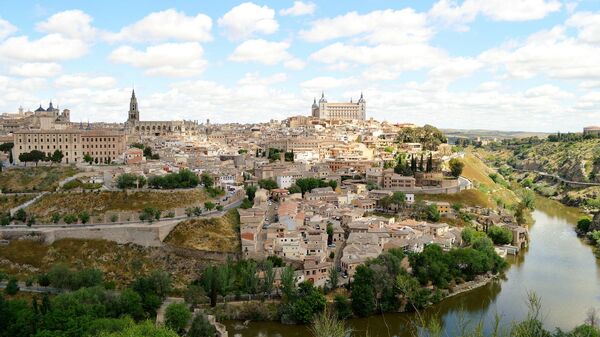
(456, 64)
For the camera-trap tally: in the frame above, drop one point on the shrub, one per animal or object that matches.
(500, 235)
(177, 316)
(583, 224)
(12, 287)
(114, 218)
(84, 216)
(70, 218)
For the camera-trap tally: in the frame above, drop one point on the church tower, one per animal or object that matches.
(134, 113)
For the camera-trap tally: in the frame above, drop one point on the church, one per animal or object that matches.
(155, 128)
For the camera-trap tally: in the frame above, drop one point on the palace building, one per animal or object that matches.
(155, 128)
(340, 111)
(104, 146)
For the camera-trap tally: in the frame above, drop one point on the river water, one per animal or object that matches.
(557, 266)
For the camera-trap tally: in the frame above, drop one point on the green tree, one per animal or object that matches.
(583, 224)
(194, 295)
(333, 278)
(308, 303)
(268, 278)
(84, 216)
(70, 218)
(456, 167)
(207, 180)
(20, 215)
(12, 287)
(209, 206)
(88, 159)
(288, 284)
(294, 189)
(246, 204)
(500, 235)
(251, 192)
(57, 156)
(201, 328)
(177, 317)
(267, 184)
(363, 294)
(342, 305)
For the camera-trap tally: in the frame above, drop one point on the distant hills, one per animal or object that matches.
(490, 134)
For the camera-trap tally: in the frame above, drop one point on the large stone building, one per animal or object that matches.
(103, 145)
(49, 118)
(155, 128)
(340, 110)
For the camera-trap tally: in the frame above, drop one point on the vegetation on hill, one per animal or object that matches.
(101, 202)
(34, 179)
(429, 136)
(213, 234)
(119, 263)
(9, 202)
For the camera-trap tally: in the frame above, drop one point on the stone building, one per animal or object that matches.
(49, 118)
(155, 128)
(105, 145)
(340, 110)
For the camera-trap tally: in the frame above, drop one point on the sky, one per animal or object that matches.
(531, 65)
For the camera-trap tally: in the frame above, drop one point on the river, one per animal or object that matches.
(557, 266)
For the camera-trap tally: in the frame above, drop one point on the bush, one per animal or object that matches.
(55, 217)
(70, 218)
(182, 179)
(343, 308)
(583, 224)
(500, 235)
(75, 183)
(12, 287)
(201, 327)
(114, 218)
(43, 280)
(84, 216)
(130, 180)
(177, 316)
(150, 214)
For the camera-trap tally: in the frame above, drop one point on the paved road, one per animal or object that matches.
(559, 178)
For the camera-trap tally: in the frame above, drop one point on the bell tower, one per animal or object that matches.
(134, 113)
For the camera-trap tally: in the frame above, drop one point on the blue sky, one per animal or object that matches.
(493, 64)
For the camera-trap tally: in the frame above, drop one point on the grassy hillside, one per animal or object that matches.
(471, 197)
(97, 203)
(120, 263)
(215, 234)
(34, 179)
(8, 202)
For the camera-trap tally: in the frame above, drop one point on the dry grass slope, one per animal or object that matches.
(34, 179)
(97, 203)
(8, 202)
(120, 263)
(471, 197)
(215, 234)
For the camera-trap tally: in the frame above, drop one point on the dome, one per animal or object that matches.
(50, 107)
(40, 109)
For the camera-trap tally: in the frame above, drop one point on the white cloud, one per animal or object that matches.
(167, 25)
(588, 25)
(52, 47)
(455, 67)
(548, 53)
(381, 26)
(84, 80)
(255, 78)
(318, 84)
(73, 24)
(452, 13)
(385, 61)
(247, 19)
(265, 52)
(169, 59)
(299, 8)
(6, 28)
(548, 91)
(35, 69)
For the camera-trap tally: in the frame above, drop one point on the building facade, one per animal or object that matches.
(103, 145)
(135, 126)
(340, 110)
